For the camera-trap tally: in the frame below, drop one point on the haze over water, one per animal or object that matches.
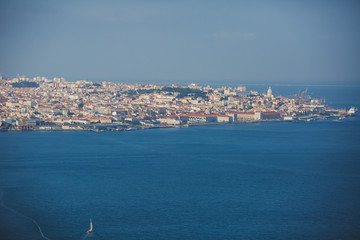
(271, 180)
(182, 41)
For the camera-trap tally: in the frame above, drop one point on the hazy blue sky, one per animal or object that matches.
(182, 41)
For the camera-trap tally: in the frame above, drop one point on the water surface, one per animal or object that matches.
(274, 180)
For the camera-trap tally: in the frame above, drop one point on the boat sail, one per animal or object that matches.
(91, 227)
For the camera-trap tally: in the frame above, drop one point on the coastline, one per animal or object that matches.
(116, 127)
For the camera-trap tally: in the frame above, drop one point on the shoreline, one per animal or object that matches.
(114, 128)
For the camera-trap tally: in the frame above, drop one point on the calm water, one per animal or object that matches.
(281, 180)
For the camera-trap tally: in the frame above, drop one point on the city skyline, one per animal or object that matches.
(55, 104)
(173, 42)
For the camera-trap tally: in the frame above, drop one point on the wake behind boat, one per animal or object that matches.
(91, 227)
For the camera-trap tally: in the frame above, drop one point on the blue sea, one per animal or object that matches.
(271, 180)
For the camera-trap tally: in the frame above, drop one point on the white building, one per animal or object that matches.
(170, 121)
(224, 118)
(269, 93)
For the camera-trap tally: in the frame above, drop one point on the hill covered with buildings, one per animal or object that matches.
(40, 103)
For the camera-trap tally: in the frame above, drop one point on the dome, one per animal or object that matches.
(269, 92)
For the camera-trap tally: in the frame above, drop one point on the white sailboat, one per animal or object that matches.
(91, 227)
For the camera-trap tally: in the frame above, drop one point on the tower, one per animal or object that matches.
(269, 93)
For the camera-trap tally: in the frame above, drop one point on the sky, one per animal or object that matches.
(182, 41)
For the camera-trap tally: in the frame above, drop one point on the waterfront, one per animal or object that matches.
(56, 105)
(274, 180)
